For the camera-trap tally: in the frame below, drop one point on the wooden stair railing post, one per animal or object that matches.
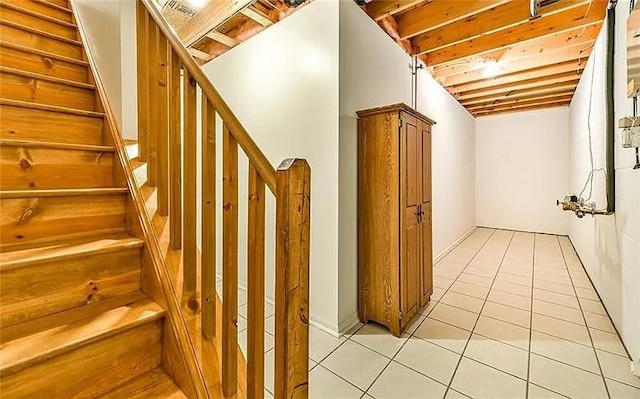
(142, 38)
(189, 250)
(255, 285)
(175, 153)
(208, 276)
(154, 125)
(162, 111)
(229, 263)
(293, 185)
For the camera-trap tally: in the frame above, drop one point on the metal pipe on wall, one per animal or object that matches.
(610, 108)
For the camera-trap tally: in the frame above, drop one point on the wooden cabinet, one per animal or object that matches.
(394, 215)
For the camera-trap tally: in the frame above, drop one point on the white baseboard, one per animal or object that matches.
(348, 323)
(453, 245)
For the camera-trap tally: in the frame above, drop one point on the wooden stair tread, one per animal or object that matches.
(4, 43)
(33, 75)
(56, 146)
(40, 32)
(57, 249)
(51, 108)
(6, 194)
(38, 15)
(155, 384)
(40, 339)
(52, 5)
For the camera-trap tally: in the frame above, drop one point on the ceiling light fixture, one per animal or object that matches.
(491, 68)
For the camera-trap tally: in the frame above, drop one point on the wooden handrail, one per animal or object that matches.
(250, 148)
(169, 126)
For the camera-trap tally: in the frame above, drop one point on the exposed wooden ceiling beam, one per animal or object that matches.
(561, 59)
(503, 16)
(214, 14)
(522, 108)
(571, 85)
(560, 96)
(438, 13)
(555, 48)
(540, 27)
(520, 85)
(258, 16)
(222, 38)
(572, 66)
(199, 54)
(390, 26)
(379, 9)
(240, 33)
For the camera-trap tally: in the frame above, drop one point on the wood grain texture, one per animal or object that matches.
(153, 132)
(208, 222)
(45, 168)
(88, 371)
(24, 58)
(255, 286)
(26, 17)
(175, 152)
(189, 206)
(293, 208)
(25, 36)
(161, 114)
(394, 178)
(229, 263)
(155, 384)
(43, 8)
(25, 123)
(142, 54)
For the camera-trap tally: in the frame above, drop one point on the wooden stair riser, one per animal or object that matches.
(154, 384)
(23, 88)
(91, 370)
(20, 123)
(46, 168)
(25, 220)
(32, 39)
(42, 289)
(59, 3)
(44, 9)
(22, 16)
(49, 66)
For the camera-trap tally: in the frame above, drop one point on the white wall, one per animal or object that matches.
(609, 246)
(374, 72)
(110, 27)
(522, 167)
(283, 86)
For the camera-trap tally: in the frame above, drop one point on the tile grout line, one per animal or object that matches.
(533, 274)
(595, 352)
(425, 318)
(479, 313)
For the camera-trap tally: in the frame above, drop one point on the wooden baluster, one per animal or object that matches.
(208, 280)
(230, 264)
(255, 286)
(154, 126)
(142, 39)
(175, 153)
(292, 279)
(189, 251)
(162, 111)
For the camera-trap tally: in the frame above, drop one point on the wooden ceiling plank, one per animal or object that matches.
(214, 14)
(438, 13)
(535, 29)
(199, 54)
(520, 85)
(522, 105)
(503, 16)
(258, 16)
(523, 108)
(389, 25)
(534, 73)
(379, 9)
(562, 96)
(538, 90)
(557, 46)
(222, 38)
(546, 59)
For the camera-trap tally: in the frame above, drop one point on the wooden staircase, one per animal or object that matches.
(75, 319)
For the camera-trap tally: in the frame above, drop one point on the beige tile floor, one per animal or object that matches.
(513, 315)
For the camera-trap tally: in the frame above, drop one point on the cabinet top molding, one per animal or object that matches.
(395, 108)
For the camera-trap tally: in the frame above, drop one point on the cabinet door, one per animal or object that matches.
(411, 184)
(426, 267)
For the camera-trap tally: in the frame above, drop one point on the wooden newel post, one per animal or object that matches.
(293, 204)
